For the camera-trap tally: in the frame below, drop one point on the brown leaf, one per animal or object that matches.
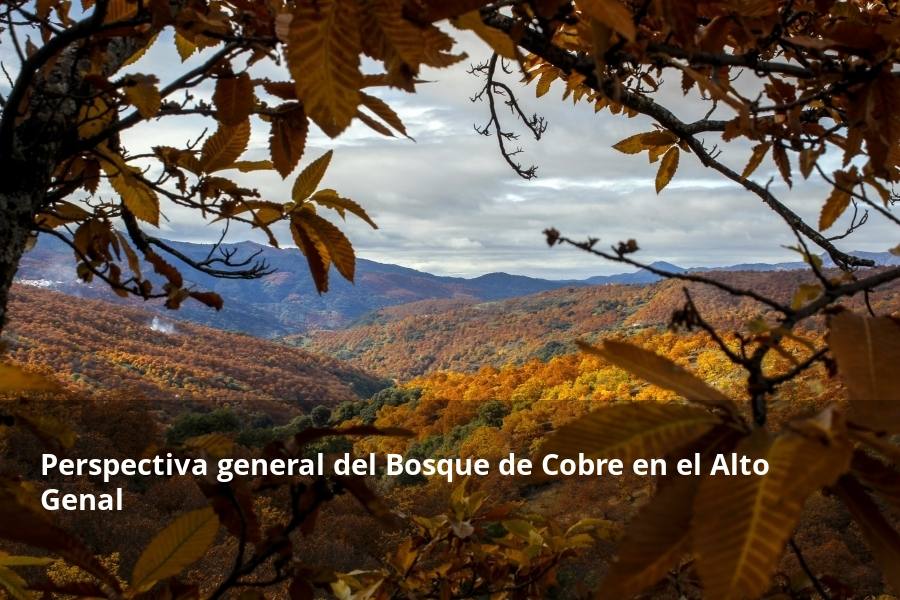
(308, 180)
(23, 523)
(612, 13)
(496, 39)
(654, 541)
(323, 57)
(759, 152)
(141, 91)
(667, 168)
(867, 352)
(630, 431)
(340, 251)
(782, 162)
(225, 146)
(315, 252)
(330, 199)
(878, 476)
(741, 523)
(234, 99)
(882, 538)
(834, 207)
(210, 299)
(288, 137)
(383, 111)
(182, 542)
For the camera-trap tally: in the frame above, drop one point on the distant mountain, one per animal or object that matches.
(408, 341)
(286, 301)
(640, 277)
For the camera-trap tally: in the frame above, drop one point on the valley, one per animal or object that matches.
(474, 374)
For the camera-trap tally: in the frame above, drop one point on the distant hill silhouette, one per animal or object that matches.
(286, 302)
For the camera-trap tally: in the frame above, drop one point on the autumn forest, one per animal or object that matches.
(255, 232)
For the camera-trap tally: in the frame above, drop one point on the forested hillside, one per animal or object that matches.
(410, 340)
(91, 346)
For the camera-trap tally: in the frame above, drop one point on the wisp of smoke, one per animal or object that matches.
(161, 326)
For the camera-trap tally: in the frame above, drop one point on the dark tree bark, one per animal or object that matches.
(39, 128)
(17, 212)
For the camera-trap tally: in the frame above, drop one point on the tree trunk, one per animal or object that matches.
(17, 212)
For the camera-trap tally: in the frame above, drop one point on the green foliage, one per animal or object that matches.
(320, 416)
(190, 425)
(367, 410)
(492, 413)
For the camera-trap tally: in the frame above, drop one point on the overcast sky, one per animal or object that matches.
(448, 203)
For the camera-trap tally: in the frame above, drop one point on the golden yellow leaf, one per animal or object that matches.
(16, 379)
(867, 352)
(140, 90)
(133, 263)
(667, 168)
(315, 252)
(806, 292)
(140, 52)
(215, 444)
(50, 430)
(644, 141)
(11, 560)
(630, 431)
(612, 13)
(120, 10)
(225, 146)
(180, 544)
(340, 251)
(323, 57)
(834, 207)
(136, 195)
(94, 118)
(330, 199)
(759, 152)
(233, 99)
(248, 166)
(659, 371)
(496, 39)
(808, 158)
(383, 111)
(60, 213)
(544, 83)
(264, 213)
(782, 162)
(14, 585)
(308, 179)
(184, 46)
(741, 523)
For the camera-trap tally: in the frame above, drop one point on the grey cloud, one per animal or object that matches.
(448, 203)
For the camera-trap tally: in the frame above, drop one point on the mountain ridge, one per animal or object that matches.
(286, 302)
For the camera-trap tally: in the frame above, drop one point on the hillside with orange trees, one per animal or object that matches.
(410, 340)
(494, 411)
(91, 345)
(485, 412)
